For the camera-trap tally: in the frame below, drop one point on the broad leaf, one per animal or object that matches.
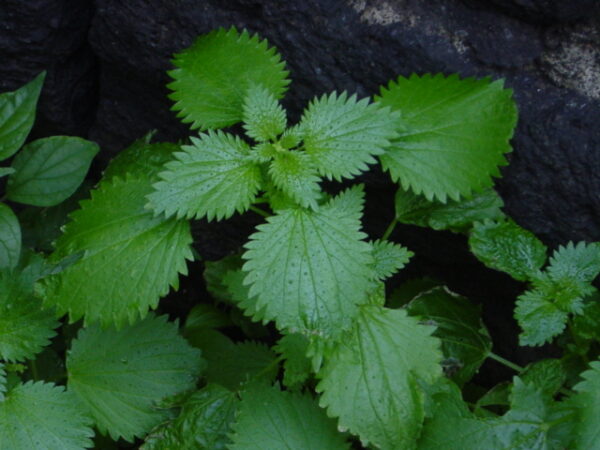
(121, 374)
(212, 76)
(269, 419)
(214, 177)
(453, 134)
(297, 366)
(17, 113)
(43, 416)
(48, 171)
(587, 401)
(507, 247)
(343, 134)
(130, 258)
(10, 238)
(371, 380)
(389, 258)
(264, 118)
(308, 270)
(295, 174)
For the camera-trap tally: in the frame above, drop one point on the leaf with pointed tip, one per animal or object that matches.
(264, 118)
(43, 416)
(130, 257)
(389, 258)
(343, 134)
(121, 374)
(10, 238)
(212, 76)
(214, 177)
(296, 175)
(574, 267)
(17, 114)
(308, 270)
(371, 379)
(453, 133)
(271, 419)
(294, 347)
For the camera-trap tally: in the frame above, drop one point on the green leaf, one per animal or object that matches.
(466, 342)
(547, 376)
(212, 77)
(573, 268)
(269, 419)
(308, 270)
(507, 247)
(50, 170)
(130, 258)
(206, 317)
(297, 366)
(43, 416)
(121, 374)
(539, 317)
(141, 159)
(214, 177)
(453, 134)
(371, 380)
(587, 401)
(25, 328)
(214, 271)
(343, 134)
(389, 258)
(10, 238)
(264, 118)
(203, 423)
(295, 174)
(453, 215)
(6, 171)
(17, 114)
(2, 382)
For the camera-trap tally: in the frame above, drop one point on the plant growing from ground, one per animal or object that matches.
(345, 362)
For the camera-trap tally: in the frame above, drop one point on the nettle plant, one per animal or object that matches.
(329, 359)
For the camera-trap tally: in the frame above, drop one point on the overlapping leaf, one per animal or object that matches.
(264, 118)
(10, 238)
(296, 175)
(294, 347)
(389, 258)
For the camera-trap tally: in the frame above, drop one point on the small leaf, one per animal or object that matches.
(269, 419)
(121, 374)
(212, 77)
(574, 267)
(453, 134)
(17, 114)
(10, 238)
(214, 177)
(214, 271)
(49, 170)
(389, 258)
(264, 118)
(539, 318)
(507, 247)
(43, 416)
(297, 366)
(296, 175)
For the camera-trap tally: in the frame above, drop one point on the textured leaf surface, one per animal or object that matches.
(587, 400)
(370, 380)
(130, 257)
(40, 416)
(389, 258)
(17, 113)
(49, 170)
(308, 270)
(294, 348)
(507, 247)
(270, 419)
(121, 375)
(344, 134)
(296, 175)
(212, 76)
(203, 423)
(453, 134)
(539, 317)
(264, 118)
(214, 177)
(10, 238)
(573, 267)
(547, 375)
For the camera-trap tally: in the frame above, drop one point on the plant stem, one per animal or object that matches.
(389, 229)
(506, 362)
(259, 211)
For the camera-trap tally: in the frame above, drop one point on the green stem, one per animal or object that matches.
(506, 362)
(389, 229)
(259, 211)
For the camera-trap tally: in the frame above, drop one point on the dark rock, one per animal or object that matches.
(544, 11)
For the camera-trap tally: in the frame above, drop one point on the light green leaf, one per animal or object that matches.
(574, 267)
(453, 134)
(466, 342)
(371, 380)
(453, 215)
(587, 401)
(141, 159)
(507, 247)
(539, 317)
(297, 366)
(130, 258)
(343, 134)
(389, 258)
(264, 118)
(308, 270)
(121, 374)
(49, 170)
(6, 171)
(25, 328)
(295, 174)
(214, 177)
(10, 238)
(269, 419)
(212, 77)
(40, 416)
(203, 423)
(17, 114)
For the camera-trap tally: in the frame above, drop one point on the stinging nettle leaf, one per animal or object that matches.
(212, 76)
(141, 159)
(587, 401)
(264, 118)
(574, 267)
(49, 170)
(120, 375)
(389, 258)
(10, 238)
(296, 175)
(4, 171)
(453, 133)
(17, 114)
(294, 347)
(214, 177)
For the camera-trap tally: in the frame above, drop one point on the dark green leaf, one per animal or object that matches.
(10, 238)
